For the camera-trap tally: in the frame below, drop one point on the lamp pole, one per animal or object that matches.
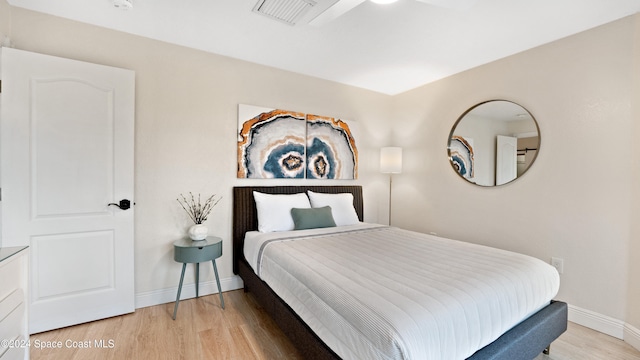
(390, 163)
(390, 182)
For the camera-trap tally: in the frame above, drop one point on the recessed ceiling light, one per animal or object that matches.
(383, 1)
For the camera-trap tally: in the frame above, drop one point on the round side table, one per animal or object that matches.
(188, 251)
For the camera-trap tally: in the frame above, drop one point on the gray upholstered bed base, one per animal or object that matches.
(523, 342)
(527, 340)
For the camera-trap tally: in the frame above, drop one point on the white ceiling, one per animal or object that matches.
(384, 48)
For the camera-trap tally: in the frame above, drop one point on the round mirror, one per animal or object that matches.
(493, 143)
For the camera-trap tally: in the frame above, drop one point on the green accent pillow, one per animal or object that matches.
(312, 218)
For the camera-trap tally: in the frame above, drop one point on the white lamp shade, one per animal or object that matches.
(391, 160)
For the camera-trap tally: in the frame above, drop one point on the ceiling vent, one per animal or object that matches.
(287, 11)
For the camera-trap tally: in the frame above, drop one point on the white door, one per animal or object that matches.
(66, 147)
(506, 159)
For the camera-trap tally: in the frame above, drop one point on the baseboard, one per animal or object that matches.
(163, 296)
(593, 320)
(606, 325)
(632, 336)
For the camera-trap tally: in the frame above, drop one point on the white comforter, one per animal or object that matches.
(374, 292)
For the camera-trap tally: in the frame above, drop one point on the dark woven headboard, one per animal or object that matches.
(245, 217)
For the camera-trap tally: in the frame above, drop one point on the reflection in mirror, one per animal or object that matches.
(493, 143)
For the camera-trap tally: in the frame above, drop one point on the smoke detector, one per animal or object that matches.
(123, 4)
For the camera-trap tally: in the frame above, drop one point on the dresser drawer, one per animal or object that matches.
(10, 303)
(14, 299)
(11, 275)
(14, 353)
(12, 328)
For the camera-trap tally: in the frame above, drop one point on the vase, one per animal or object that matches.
(198, 232)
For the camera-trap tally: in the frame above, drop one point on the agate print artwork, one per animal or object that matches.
(461, 156)
(276, 143)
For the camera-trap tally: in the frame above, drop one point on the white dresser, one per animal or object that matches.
(14, 332)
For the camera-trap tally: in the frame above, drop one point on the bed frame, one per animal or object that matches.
(524, 341)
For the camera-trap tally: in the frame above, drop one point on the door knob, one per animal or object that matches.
(123, 205)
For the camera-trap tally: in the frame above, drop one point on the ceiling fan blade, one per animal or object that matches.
(335, 11)
(451, 4)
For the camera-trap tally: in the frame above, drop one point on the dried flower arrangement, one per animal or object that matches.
(196, 210)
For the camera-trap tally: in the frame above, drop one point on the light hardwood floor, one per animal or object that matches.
(202, 330)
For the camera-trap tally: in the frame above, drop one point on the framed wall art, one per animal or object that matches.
(277, 143)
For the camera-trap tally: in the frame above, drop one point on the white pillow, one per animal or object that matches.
(341, 206)
(274, 211)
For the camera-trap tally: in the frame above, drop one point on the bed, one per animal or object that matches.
(525, 340)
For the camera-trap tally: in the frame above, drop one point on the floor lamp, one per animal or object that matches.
(390, 163)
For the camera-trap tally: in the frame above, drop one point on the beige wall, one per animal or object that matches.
(186, 123)
(577, 194)
(582, 191)
(5, 19)
(633, 304)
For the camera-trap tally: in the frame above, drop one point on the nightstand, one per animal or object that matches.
(188, 251)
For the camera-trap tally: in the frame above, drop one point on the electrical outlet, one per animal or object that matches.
(558, 264)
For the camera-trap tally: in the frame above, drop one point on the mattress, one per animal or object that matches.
(377, 292)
